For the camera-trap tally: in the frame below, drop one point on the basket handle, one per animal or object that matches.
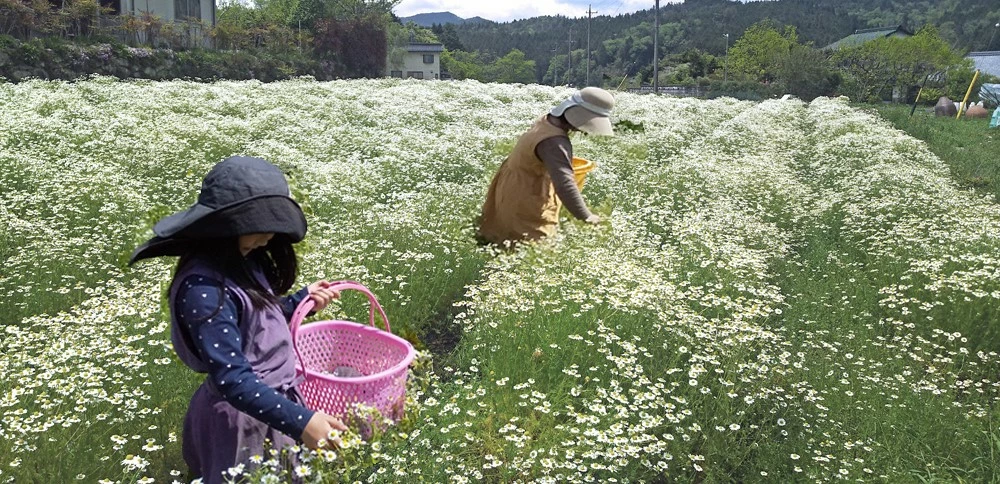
(308, 304)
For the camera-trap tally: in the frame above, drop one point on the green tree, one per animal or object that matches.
(306, 13)
(762, 48)
(556, 71)
(357, 45)
(360, 9)
(448, 36)
(462, 65)
(512, 68)
(807, 73)
(876, 67)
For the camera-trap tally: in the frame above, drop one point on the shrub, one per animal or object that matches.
(54, 58)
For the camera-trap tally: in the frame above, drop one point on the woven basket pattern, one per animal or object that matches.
(376, 362)
(327, 345)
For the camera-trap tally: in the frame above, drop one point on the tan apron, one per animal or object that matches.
(521, 203)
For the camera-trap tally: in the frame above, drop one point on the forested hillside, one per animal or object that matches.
(621, 44)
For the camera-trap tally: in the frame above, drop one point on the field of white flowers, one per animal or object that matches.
(782, 291)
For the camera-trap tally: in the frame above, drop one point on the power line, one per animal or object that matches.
(619, 9)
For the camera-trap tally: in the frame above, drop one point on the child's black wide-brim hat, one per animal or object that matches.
(239, 196)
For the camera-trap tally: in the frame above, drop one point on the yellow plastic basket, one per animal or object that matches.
(580, 169)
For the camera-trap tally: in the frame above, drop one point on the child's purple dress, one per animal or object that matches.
(216, 435)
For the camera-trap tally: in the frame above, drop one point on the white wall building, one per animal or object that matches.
(170, 10)
(420, 61)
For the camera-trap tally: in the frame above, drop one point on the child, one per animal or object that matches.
(534, 181)
(236, 256)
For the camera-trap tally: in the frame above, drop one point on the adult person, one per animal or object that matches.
(537, 178)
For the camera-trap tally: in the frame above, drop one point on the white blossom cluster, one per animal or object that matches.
(780, 291)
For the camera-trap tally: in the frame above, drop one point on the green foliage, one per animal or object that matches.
(53, 58)
(511, 68)
(359, 9)
(291, 12)
(411, 32)
(878, 66)
(358, 46)
(555, 73)
(240, 27)
(959, 77)
(762, 48)
(807, 73)
(448, 36)
(623, 44)
(462, 65)
(771, 55)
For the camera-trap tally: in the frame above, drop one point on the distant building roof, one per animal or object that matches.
(986, 62)
(413, 47)
(864, 35)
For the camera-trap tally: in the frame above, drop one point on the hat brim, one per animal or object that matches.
(589, 122)
(160, 247)
(274, 214)
(269, 214)
(172, 224)
(175, 234)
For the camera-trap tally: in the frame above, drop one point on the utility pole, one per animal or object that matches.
(555, 69)
(590, 13)
(725, 70)
(656, 49)
(569, 57)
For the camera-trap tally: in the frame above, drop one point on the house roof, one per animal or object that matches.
(414, 47)
(987, 62)
(864, 35)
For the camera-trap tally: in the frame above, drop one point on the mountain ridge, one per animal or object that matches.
(429, 19)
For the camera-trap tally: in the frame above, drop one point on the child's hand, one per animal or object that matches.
(321, 294)
(318, 430)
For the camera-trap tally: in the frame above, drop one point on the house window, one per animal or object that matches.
(415, 74)
(398, 74)
(184, 9)
(428, 58)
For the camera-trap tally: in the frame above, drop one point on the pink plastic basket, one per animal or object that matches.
(379, 359)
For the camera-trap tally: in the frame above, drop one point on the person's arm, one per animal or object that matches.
(557, 155)
(292, 301)
(319, 291)
(210, 316)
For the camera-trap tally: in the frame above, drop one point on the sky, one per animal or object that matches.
(507, 10)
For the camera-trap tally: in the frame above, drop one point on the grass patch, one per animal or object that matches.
(968, 146)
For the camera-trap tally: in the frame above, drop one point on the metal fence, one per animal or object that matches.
(683, 91)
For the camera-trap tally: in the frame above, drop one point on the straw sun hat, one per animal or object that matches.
(588, 110)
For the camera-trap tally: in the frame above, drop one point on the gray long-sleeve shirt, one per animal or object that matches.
(557, 155)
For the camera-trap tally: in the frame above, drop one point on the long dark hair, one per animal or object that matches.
(276, 260)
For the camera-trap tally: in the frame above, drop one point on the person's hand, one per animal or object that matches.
(593, 219)
(321, 294)
(317, 432)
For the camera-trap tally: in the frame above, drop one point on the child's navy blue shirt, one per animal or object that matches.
(217, 340)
